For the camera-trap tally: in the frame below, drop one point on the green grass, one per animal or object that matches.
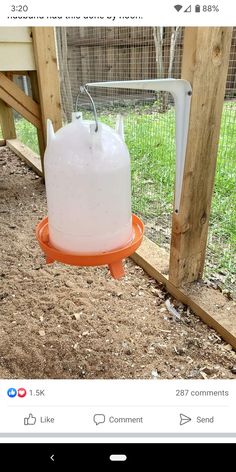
(151, 142)
(224, 202)
(27, 133)
(150, 137)
(222, 234)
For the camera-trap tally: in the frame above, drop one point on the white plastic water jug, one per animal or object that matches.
(88, 187)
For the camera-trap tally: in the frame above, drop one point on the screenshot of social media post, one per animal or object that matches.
(118, 222)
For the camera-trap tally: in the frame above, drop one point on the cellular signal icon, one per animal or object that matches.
(178, 7)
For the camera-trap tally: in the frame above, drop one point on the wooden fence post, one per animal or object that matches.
(7, 121)
(36, 97)
(48, 77)
(205, 65)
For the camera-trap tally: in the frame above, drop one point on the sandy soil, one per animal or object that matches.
(65, 322)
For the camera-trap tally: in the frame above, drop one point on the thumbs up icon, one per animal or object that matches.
(30, 420)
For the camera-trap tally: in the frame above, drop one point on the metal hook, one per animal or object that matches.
(83, 89)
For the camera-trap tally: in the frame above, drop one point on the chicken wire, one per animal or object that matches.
(124, 53)
(88, 54)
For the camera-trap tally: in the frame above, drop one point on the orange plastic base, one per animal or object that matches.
(111, 258)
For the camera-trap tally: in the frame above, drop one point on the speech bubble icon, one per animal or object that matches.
(99, 419)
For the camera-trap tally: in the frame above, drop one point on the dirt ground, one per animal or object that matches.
(66, 322)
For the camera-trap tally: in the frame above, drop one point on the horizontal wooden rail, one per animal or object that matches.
(119, 42)
(210, 305)
(26, 154)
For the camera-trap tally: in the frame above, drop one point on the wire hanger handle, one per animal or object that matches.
(83, 89)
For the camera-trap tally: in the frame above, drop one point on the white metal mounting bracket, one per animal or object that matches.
(182, 92)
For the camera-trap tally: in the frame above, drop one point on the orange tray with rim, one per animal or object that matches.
(111, 258)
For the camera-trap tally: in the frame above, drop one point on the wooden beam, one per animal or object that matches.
(25, 153)
(35, 94)
(7, 121)
(7, 118)
(205, 65)
(48, 76)
(209, 304)
(13, 96)
(119, 42)
(189, 53)
(2, 142)
(66, 92)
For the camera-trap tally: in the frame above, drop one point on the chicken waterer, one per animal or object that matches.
(88, 186)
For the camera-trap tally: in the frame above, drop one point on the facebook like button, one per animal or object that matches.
(12, 392)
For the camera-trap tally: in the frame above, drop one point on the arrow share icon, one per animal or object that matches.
(184, 419)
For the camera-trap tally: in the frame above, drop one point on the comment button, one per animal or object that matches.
(99, 419)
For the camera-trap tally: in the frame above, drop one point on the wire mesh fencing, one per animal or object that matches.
(124, 53)
(221, 254)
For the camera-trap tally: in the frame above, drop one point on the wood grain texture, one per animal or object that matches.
(205, 65)
(13, 96)
(7, 121)
(209, 304)
(48, 76)
(40, 133)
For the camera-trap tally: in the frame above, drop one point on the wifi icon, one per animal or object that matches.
(178, 7)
